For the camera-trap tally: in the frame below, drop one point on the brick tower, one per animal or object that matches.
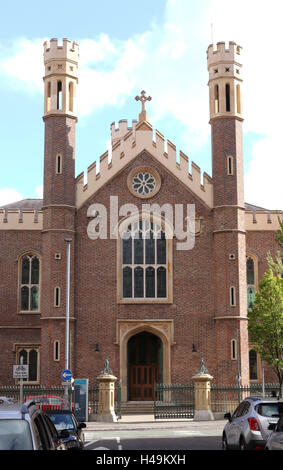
(224, 66)
(60, 80)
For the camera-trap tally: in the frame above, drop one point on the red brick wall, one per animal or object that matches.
(12, 245)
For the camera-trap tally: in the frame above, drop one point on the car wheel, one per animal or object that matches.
(242, 444)
(224, 442)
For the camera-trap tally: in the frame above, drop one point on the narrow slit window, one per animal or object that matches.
(71, 96)
(227, 91)
(48, 96)
(230, 166)
(57, 292)
(216, 99)
(238, 93)
(234, 349)
(56, 350)
(59, 164)
(232, 296)
(59, 95)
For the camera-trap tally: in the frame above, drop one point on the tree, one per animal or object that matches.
(279, 234)
(266, 322)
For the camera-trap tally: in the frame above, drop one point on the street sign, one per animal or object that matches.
(20, 371)
(66, 375)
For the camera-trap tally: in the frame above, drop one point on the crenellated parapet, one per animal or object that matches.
(67, 51)
(259, 220)
(121, 130)
(127, 145)
(21, 219)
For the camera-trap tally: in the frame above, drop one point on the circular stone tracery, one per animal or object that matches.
(143, 183)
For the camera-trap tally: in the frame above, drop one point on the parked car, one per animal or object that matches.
(275, 439)
(6, 400)
(25, 427)
(66, 420)
(47, 402)
(247, 428)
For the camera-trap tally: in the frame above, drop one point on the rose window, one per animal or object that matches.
(143, 183)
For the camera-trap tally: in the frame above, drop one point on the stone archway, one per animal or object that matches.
(126, 329)
(145, 365)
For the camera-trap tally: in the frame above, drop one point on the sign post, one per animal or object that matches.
(20, 371)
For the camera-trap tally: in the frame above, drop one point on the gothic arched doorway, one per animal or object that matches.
(144, 353)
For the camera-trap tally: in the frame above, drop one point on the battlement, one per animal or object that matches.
(67, 51)
(120, 131)
(259, 220)
(132, 144)
(220, 54)
(21, 219)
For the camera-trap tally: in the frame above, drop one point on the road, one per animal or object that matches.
(189, 437)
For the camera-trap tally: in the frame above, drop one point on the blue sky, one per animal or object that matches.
(156, 45)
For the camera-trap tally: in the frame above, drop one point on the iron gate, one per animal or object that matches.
(173, 401)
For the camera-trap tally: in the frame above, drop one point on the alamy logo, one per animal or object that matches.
(176, 220)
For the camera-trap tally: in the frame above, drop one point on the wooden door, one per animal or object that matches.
(142, 378)
(143, 366)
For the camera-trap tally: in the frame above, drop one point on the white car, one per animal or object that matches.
(6, 400)
(275, 440)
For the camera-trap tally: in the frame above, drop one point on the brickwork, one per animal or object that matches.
(201, 310)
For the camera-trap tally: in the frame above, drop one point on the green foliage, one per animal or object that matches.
(279, 235)
(266, 321)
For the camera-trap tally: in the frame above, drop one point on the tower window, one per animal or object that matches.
(59, 95)
(48, 96)
(216, 99)
(233, 296)
(59, 164)
(230, 166)
(71, 96)
(57, 296)
(234, 352)
(227, 91)
(238, 93)
(56, 350)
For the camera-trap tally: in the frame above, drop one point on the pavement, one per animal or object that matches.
(144, 422)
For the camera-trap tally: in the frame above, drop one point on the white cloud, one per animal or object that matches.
(263, 180)
(169, 62)
(39, 191)
(25, 64)
(8, 195)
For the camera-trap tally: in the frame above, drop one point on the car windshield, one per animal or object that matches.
(268, 409)
(62, 421)
(15, 435)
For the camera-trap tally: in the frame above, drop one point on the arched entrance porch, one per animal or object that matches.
(145, 365)
(126, 329)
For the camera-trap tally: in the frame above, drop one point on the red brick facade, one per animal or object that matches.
(200, 312)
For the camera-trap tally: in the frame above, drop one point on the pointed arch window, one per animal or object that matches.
(29, 283)
(251, 281)
(145, 259)
(253, 363)
(30, 356)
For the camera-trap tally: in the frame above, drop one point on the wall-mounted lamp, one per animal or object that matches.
(194, 349)
(96, 349)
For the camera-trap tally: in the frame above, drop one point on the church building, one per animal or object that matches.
(164, 261)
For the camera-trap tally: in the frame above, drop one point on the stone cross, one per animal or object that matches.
(143, 99)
